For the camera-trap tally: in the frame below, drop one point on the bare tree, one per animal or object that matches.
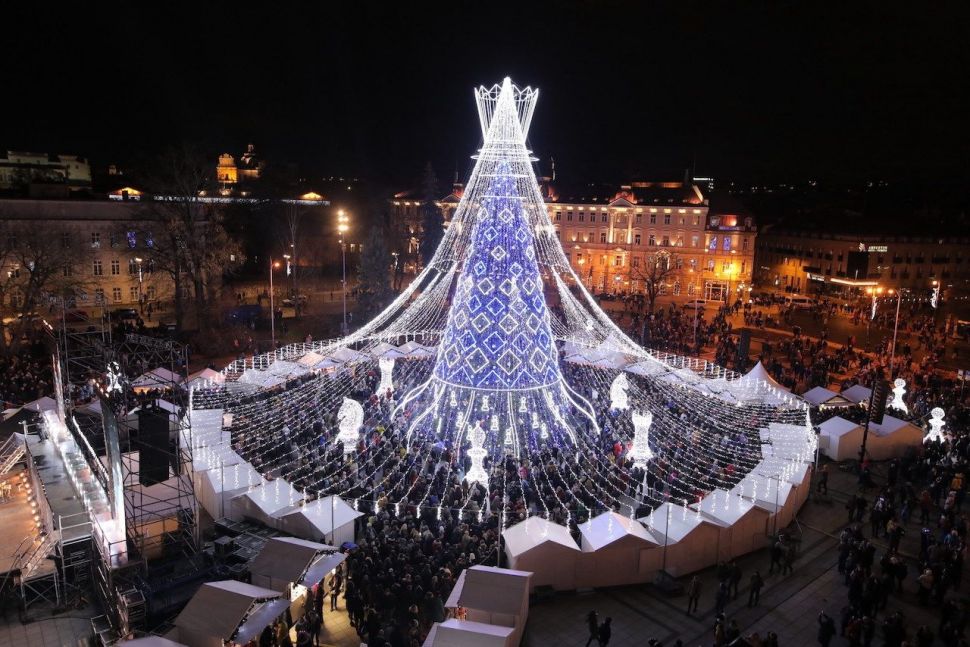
(185, 235)
(657, 270)
(38, 266)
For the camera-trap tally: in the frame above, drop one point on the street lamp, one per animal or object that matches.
(272, 304)
(138, 263)
(343, 221)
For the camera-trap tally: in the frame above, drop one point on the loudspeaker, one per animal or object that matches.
(877, 408)
(744, 344)
(153, 445)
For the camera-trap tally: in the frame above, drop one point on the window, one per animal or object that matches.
(569, 216)
(676, 288)
(666, 218)
(602, 236)
(744, 244)
(151, 292)
(558, 216)
(68, 270)
(618, 261)
(697, 223)
(727, 243)
(665, 241)
(115, 267)
(133, 293)
(662, 289)
(725, 266)
(635, 261)
(582, 216)
(95, 239)
(113, 239)
(132, 266)
(690, 289)
(116, 294)
(694, 241)
(652, 241)
(99, 296)
(639, 218)
(712, 244)
(710, 264)
(653, 218)
(603, 259)
(132, 240)
(636, 239)
(604, 218)
(66, 240)
(693, 264)
(679, 263)
(98, 270)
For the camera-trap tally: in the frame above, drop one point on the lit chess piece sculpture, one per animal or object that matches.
(936, 426)
(387, 373)
(476, 453)
(619, 399)
(349, 419)
(899, 390)
(641, 452)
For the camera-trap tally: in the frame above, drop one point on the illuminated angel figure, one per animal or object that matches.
(936, 426)
(387, 372)
(350, 417)
(618, 396)
(641, 453)
(476, 454)
(899, 389)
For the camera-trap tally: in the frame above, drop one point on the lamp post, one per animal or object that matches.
(892, 353)
(342, 227)
(272, 303)
(138, 263)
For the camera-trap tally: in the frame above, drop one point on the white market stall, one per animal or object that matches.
(494, 596)
(466, 633)
(228, 613)
(743, 525)
(157, 378)
(616, 550)
(691, 540)
(292, 566)
(329, 519)
(892, 438)
(840, 439)
(545, 549)
(771, 494)
(857, 394)
(264, 502)
(824, 398)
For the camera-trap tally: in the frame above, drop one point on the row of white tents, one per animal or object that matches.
(840, 439)
(615, 549)
(227, 485)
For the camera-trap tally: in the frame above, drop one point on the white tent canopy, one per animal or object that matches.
(264, 502)
(759, 373)
(205, 378)
(287, 560)
(329, 519)
(857, 394)
(544, 548)
(157, 378)
(892, 438)
(690, 539)
(839, 439)
(466, 633)
(819, 396)
(616, 550)
(610, 528)
(742, 523)
(495, 596)
(227, 611)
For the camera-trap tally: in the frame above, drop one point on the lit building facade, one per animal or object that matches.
(19, 168)
(609, 236)
(611, 241)
(813, 262)
(231, 173)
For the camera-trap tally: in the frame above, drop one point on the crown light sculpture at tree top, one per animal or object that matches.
(493, 375)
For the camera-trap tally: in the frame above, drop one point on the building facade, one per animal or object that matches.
(813, 262)
(20, 170)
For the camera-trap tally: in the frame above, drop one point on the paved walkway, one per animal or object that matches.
(789, 604)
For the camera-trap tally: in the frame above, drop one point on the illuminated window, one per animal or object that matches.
(727, 243)
(652, 241)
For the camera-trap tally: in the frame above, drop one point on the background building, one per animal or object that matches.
(619, 239)
(42, 173)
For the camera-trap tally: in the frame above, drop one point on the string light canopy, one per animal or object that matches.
(507, 377)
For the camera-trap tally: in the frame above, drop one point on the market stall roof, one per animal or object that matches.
(820, 396)
(206, 377)
(221, 609)
(465, 633)
(759, 372)
(492, 589)
(289, 558)
(857, 394)
(837, 426)
(611, 527)
(325, 514)
(535, 531)
(157, 378)
(40, 405)
(723, 508)
(673, 520)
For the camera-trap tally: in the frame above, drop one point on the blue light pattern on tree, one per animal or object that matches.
(498, 334)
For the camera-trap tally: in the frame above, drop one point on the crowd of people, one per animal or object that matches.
(24, 377)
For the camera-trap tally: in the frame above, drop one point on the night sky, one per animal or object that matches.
(773, 92)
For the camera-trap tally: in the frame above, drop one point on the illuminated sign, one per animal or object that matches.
(882, 249)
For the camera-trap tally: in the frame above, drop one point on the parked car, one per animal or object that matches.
(802, 303)
(124, 314)
(695, 304)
